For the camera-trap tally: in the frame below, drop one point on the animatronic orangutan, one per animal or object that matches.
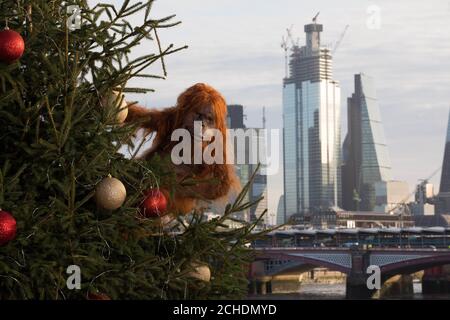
(216, 182)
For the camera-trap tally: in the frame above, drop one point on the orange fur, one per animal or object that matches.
(164, 122)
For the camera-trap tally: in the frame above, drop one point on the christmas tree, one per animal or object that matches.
(70, 200)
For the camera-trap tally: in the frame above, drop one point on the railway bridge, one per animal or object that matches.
(404, 258)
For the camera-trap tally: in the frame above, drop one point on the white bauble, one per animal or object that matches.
(116, 101)
(201, 272)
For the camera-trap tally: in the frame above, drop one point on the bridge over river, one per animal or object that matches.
(352, 252)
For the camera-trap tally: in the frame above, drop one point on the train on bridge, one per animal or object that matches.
(412, 237)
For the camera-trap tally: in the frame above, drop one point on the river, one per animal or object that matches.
(316, 291)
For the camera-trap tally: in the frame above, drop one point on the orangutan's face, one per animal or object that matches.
(205, 115)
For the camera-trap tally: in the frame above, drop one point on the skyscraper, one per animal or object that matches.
(365, 153)
(443, 200)
(311, 117)
(280, 211)
(235, 120)
(235, 116)
(259, 187)
(255, 144)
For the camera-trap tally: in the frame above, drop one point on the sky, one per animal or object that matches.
(234, 45)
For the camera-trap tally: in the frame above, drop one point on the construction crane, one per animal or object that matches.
(291, 38)
(403, 203)
(285, 46)
(433, 174)
(423, 182)
(315, 17)
(264, 118)
(338, 43)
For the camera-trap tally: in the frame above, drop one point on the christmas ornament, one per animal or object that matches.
(167, 220)
(116, 101)
(201, 272)
(8, 227)
(97, 296)
(110, 193)
(12, 45)
(155, 204)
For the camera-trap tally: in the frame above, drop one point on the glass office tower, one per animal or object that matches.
(443, 199)
(311, 117)
(445, 175)
(366, 157)
(255, 146)
(259, 187)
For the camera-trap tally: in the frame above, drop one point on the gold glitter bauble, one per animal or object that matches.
(110, 193)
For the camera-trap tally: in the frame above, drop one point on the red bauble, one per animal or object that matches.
(97, 296)
(155, 204)
(12, 46)
(7, 227)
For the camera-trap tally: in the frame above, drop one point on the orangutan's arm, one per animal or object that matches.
(151, 119)
(136, 112)
(147, 118)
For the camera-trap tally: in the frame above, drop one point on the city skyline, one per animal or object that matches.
(236, 47)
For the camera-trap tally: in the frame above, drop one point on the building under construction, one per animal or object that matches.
(312, 119)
